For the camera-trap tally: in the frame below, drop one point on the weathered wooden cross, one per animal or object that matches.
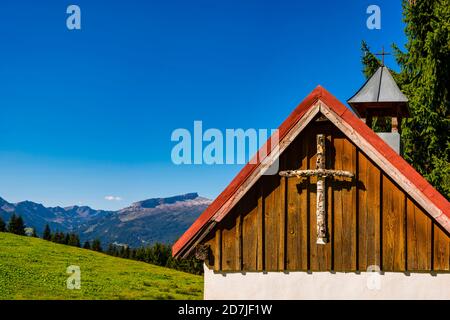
(321, 172)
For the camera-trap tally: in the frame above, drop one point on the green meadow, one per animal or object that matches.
(32, 268)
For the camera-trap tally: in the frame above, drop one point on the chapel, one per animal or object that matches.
(343, 216)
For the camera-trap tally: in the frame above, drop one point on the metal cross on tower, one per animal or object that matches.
(382, 54)
(321, 172)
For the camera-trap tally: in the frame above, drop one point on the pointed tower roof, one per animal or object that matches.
(381, 95)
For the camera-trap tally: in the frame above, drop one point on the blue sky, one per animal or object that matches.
(89, 113)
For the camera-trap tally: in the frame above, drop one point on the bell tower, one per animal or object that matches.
(380, 97)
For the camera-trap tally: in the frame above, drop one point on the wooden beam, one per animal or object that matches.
(239, 241)
(394, 124)
(260, 229)
(282, 221)
(218, 251)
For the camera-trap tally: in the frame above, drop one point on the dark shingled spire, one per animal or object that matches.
(380, 95)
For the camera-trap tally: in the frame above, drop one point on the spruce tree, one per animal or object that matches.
(2, 225)
(132, 254)
(76, 241)
(11, 228)
(20, 226)
(96, 245)
(87, 245)
(122, 252)
(47, 233)
(425, 79)
(16, 225)
(73, 240)
(111, 249)
(66, 238)
(58, 237)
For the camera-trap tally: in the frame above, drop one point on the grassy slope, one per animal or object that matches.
(36, 269)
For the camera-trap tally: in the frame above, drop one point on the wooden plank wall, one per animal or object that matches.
(371, 221)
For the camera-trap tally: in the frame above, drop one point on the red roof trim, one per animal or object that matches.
(343, 112)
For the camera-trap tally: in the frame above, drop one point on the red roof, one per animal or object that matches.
(414, 178)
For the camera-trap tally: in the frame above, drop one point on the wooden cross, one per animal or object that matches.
(382, 54)
(321, 173)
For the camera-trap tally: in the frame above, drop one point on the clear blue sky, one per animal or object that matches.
(89, 113)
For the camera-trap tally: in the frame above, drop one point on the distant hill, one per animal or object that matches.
(32, 268)
(142, 223)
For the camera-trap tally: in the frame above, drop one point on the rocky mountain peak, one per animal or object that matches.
(154, 202)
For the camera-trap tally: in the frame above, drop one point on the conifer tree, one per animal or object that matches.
(66, 238)
(47, 233)
(127, 252)
(77, 242)
(20, 226)
(58, 237)
(11, 227)
(73, 240)
(96, 245)
(2, 225)
(87, 245)
(16, 225)
(111, 249)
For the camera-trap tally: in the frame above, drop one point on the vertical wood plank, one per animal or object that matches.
(394, 237)
(441, 254)
(297, 210)
(250, 241)
(218, 251)
(419, 240)
(238, 239)
(369, 213)
(260, 227)
(315, 255)
(250, 231)
(344, 206)
(229, 242)
(281, 202)
(271, 222)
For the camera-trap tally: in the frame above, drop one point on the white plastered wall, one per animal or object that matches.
(325, 285)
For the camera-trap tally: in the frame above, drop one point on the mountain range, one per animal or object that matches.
(143, 223)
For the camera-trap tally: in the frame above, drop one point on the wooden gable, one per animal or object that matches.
(388, 216)
(372, 221)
